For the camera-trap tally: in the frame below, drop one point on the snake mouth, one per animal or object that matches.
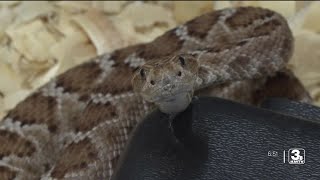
(170, 97)
(176, 103)
(167, 93)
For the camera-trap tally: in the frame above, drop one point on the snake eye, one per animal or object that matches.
(142, 73)
(182, 61)
(152, 82)
(179, 73)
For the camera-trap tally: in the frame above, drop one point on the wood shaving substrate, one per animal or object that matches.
(39, 40)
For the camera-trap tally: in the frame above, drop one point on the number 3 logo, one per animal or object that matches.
(296, 155)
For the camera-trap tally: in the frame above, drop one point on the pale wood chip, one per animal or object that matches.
(33, 40)
(9, 79)
(147, 15)
(6, 18)
(312, 18)
(9, 3)
(100, 31)
(141, 22)
(109, 6)
(186, 10)
(74, 6)
(286, 8)
(12, 99)
(29, 10)
(75, 55)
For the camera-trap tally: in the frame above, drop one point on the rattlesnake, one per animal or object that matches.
(76, 125)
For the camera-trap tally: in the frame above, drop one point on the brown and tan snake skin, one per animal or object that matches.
(76, 126)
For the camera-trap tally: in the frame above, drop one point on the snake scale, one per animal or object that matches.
(76, 125)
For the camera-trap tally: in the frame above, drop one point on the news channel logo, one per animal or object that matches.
(291, 156)
(296, 156)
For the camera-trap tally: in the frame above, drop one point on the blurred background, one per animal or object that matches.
(39, 40)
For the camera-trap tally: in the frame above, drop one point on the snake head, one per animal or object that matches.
(169, 82)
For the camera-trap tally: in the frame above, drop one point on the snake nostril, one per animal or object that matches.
(152, 82)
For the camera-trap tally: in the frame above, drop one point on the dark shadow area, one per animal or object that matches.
(220, 139)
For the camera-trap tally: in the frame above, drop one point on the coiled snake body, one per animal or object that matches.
(76, 126)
